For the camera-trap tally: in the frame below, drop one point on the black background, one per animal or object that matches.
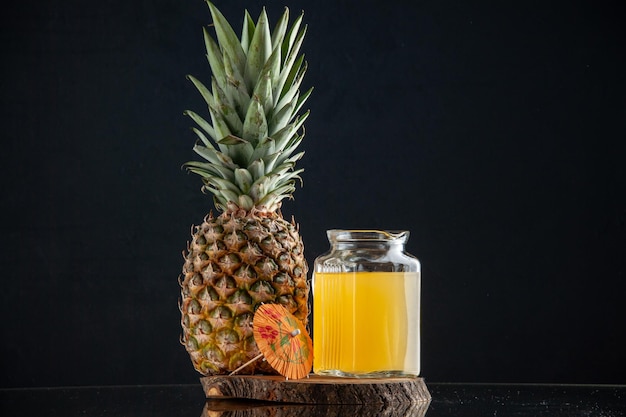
(493, 131)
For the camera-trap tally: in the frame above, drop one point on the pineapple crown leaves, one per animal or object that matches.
(254, 126)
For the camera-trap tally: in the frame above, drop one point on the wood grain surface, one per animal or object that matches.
(317, 389)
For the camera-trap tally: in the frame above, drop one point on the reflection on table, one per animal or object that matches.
(243, 408)
(448, 400)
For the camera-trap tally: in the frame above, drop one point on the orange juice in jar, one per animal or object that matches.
(366, 306)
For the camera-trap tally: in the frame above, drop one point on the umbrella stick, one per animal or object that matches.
(256, 358)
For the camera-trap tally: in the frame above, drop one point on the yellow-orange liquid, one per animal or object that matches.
(366, 323)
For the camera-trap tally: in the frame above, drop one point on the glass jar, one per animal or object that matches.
(366, 306)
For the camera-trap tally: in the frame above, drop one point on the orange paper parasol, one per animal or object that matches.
(283, 340)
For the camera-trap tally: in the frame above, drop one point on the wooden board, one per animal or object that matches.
(317, 389)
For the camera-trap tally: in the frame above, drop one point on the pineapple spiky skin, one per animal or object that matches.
(249, 254)
(235, 262)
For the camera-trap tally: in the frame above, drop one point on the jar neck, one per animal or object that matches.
(342, 239)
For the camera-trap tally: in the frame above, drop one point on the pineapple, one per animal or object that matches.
(248, 254)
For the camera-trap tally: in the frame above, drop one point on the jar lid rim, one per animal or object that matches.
(352, 235)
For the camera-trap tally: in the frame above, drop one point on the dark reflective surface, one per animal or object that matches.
(188, 400)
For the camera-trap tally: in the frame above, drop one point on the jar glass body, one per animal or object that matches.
(366, 306)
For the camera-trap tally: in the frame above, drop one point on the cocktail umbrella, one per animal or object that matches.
(282, 340)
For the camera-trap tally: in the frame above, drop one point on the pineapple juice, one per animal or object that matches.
(366, 323)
